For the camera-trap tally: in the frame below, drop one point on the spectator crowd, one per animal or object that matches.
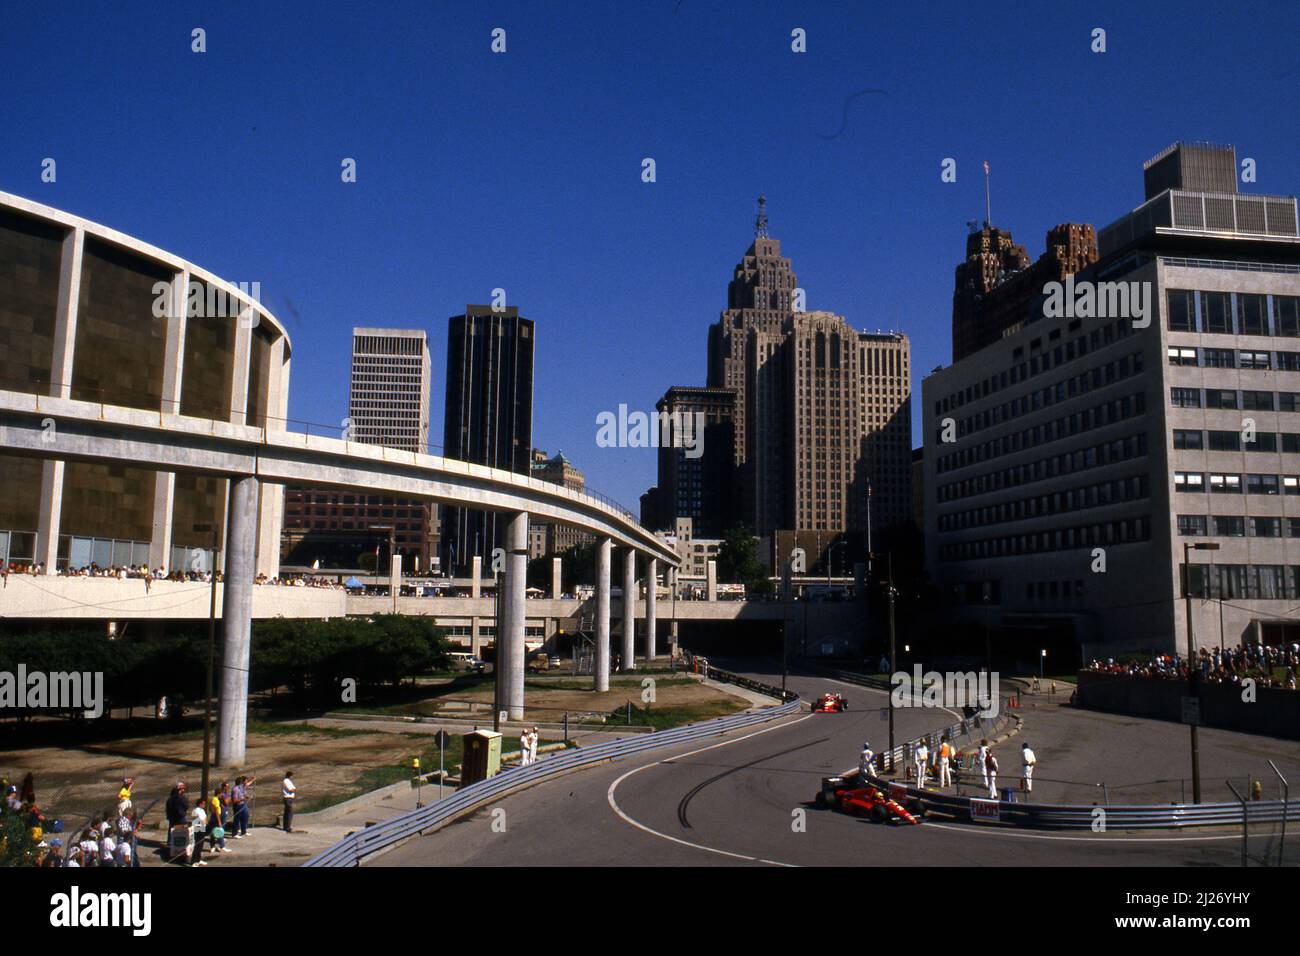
(1270, 665)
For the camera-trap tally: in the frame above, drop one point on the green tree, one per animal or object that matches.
(738, 561)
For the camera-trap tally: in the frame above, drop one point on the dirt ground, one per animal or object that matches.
(330, 764)
(548, 699)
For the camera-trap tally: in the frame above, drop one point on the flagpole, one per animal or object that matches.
(988, 207)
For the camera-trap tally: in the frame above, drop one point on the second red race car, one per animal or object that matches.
(845, 795)
(830, 704)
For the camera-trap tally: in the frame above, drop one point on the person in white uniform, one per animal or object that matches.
(991, 772)
(922, 758)
(1027, 762)
(867, 762)
(983, 755)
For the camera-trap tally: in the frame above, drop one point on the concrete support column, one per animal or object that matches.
(51, 511)
(556, 578)
(239, 379)
(65, 316)
(475, 572)
(237, 621)
(672, 637)
(164, 487)
(514, 603)
(601, 665)
(475, 642)
(711, 589)
(651, 617)
(395, 579)
(629, 610)
(268, 530)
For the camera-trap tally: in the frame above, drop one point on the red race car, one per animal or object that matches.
(871, 802)
(830, 704)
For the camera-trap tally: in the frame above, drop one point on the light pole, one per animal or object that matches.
(1193, 684)
(392, 550)
(212, 651)
(893, 663)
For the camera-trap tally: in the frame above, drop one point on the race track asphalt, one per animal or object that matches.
(732, 800)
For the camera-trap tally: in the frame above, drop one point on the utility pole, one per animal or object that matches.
(496, 655)
(893, 662)
(212, 660)
(785, 623)
(1193, 684)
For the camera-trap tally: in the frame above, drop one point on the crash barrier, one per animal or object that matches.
(1044, 816)
(355, 847)
(700, 665)
(969, 728)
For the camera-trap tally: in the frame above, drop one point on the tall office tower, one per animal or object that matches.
(822, 410)
(745, 355)
(1068, 464)
(848, 425)
(388, 404)
(997, 289)
(697, 462)
(489, 416)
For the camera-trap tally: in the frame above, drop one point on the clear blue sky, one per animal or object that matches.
(522, 170)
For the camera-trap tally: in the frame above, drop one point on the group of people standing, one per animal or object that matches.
(208, 819)
(528, 746)
(941, 762)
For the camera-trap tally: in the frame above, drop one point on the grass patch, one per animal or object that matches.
(666, 718)
(276, 729)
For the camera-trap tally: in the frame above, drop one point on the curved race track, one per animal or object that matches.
(730, 801)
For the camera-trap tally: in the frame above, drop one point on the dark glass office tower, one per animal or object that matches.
(489, 417)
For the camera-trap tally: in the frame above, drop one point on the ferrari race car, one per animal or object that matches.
(830, 704)
(844, 794)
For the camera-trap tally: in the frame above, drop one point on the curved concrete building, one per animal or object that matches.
(91, 314)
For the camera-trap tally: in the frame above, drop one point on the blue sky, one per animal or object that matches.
(522, 170)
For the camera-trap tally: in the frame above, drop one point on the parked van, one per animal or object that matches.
(465, 661)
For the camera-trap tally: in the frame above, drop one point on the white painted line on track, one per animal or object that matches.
(609, 795)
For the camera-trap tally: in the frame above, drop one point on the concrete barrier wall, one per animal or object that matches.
(1275, 713)
(98, 599)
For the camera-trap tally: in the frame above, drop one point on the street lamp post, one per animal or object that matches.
(1193, 685)
(893, 663)
(392, 550)
(212, 652)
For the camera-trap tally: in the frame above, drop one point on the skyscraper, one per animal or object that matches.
(489, 414)
(821, 409)
(388, 404)
(997, 288)
(697, 464)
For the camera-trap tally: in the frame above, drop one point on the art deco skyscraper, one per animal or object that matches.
(822, 411)
(489, 415)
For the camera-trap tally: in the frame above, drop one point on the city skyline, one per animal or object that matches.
(416, 236)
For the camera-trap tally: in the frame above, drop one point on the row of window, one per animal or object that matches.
(1194, 481)
(1098, 416)
(1104, 534)
(1234, 399)
(1097, 495)
(1081, 384)
(1080, 459)
(1233, 358)
(1195, 439)
(1038, 363)
(1263, 582)
(1237, 526)
(1233, 313)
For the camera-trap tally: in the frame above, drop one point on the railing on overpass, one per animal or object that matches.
(355, 847)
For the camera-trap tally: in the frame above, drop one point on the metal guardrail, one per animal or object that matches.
(354, 848)
(1045, 816)
(1052, 816)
